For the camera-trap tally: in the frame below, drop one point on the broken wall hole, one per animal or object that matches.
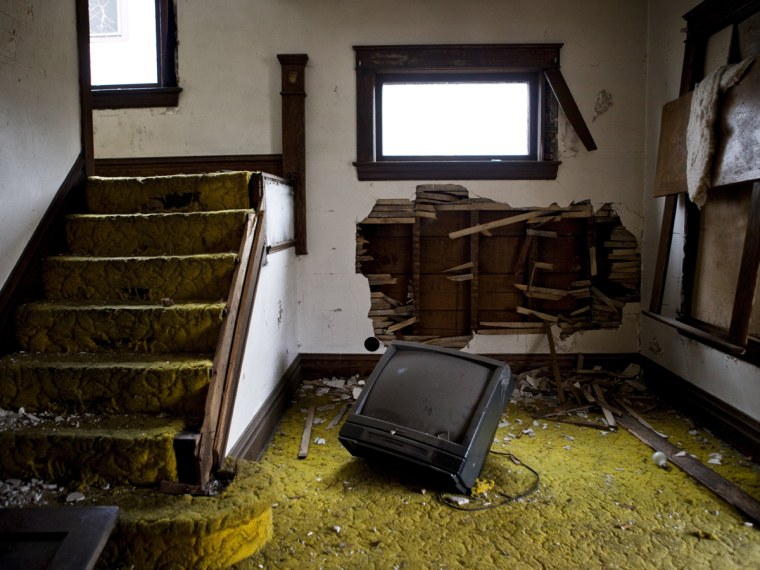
(444, 266)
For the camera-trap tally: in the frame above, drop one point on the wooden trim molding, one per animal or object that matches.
(24, 283)
(259, 431)
(315, 366)
(165, 165)
(724, 420)
(294, 137)
(85, 90)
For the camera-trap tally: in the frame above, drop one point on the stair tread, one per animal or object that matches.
(125, 305)
(184, 192)
(156, 233)
(222, 255)
(108, 360)
(93, 426)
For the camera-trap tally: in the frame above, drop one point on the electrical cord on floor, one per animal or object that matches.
(455, 501)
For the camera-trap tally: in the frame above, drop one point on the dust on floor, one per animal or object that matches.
(602, 502)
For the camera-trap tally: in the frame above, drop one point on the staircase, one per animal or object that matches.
(116, 359)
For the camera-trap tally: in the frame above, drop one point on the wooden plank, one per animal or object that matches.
(336, 419)
(569, 107)
(475, 282)
(381, 221)
(748, 275)
(402, 325)
(239, 341)
(541, 233)
(555, 363)
(537, 329)
(303, 450)
(663, 253)
(726, 490)
(460, 267)
(495, 224)
(519, 267)
(540, 315)
(670, 173)
(222, 353)
(509, 324)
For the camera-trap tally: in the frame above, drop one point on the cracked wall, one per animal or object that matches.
(444, 267)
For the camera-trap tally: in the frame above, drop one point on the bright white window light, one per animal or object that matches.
(455, 119)
(123, 42)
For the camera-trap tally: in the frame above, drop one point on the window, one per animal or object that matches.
(132, 50)
(460, 112)
(439, 118)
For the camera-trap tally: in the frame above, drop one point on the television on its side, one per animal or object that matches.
(430, 412)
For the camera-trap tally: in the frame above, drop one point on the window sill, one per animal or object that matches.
(457, 170)
(134, 97)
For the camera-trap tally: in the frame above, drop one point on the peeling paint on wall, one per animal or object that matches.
(603, 103)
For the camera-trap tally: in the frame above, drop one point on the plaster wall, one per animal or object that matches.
(230, 104)
(39, 116)
(731, 380)
(271, 345)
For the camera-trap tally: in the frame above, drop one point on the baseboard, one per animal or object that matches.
(259, 431)
(724, 420)
(23, 283)
(314, 366)
(734, 426)
(159, 166)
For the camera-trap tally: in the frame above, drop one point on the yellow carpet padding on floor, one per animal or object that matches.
(602, 503)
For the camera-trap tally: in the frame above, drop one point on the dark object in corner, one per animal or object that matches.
(431, 411)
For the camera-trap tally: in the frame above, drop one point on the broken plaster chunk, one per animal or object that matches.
(320, 440)
(336, 528)
(356, 393)
(715, 458)
(660, 459)
(74, 497)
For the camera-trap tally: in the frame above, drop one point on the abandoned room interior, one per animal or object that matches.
(216, 259)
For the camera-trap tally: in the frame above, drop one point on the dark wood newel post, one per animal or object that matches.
(294, 137)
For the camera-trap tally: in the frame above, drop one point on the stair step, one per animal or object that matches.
(57, 327)
(113, 279)
(179, 193)
(134, 450)
(173, 384)
(203, 533)
(181, 233)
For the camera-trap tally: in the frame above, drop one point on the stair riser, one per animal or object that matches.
(155, 234)
(140, 389)
(139, 279)
(180, 328)
(192, 193)
(55, 457)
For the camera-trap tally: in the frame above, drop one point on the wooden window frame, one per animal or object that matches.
(165, 92)
(375, 64)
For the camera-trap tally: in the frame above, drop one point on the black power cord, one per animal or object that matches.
(452, 500)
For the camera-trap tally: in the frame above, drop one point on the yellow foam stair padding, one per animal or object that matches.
(181, 233)
(166, 532)
(185, 193)
(136, 450)
(173, 384)
(179, 278)
(187, 327)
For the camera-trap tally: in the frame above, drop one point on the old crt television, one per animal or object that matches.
(430, 412)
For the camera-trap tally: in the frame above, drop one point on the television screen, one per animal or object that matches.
(431, 411)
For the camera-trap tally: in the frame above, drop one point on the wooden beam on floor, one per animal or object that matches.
(726, 490)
